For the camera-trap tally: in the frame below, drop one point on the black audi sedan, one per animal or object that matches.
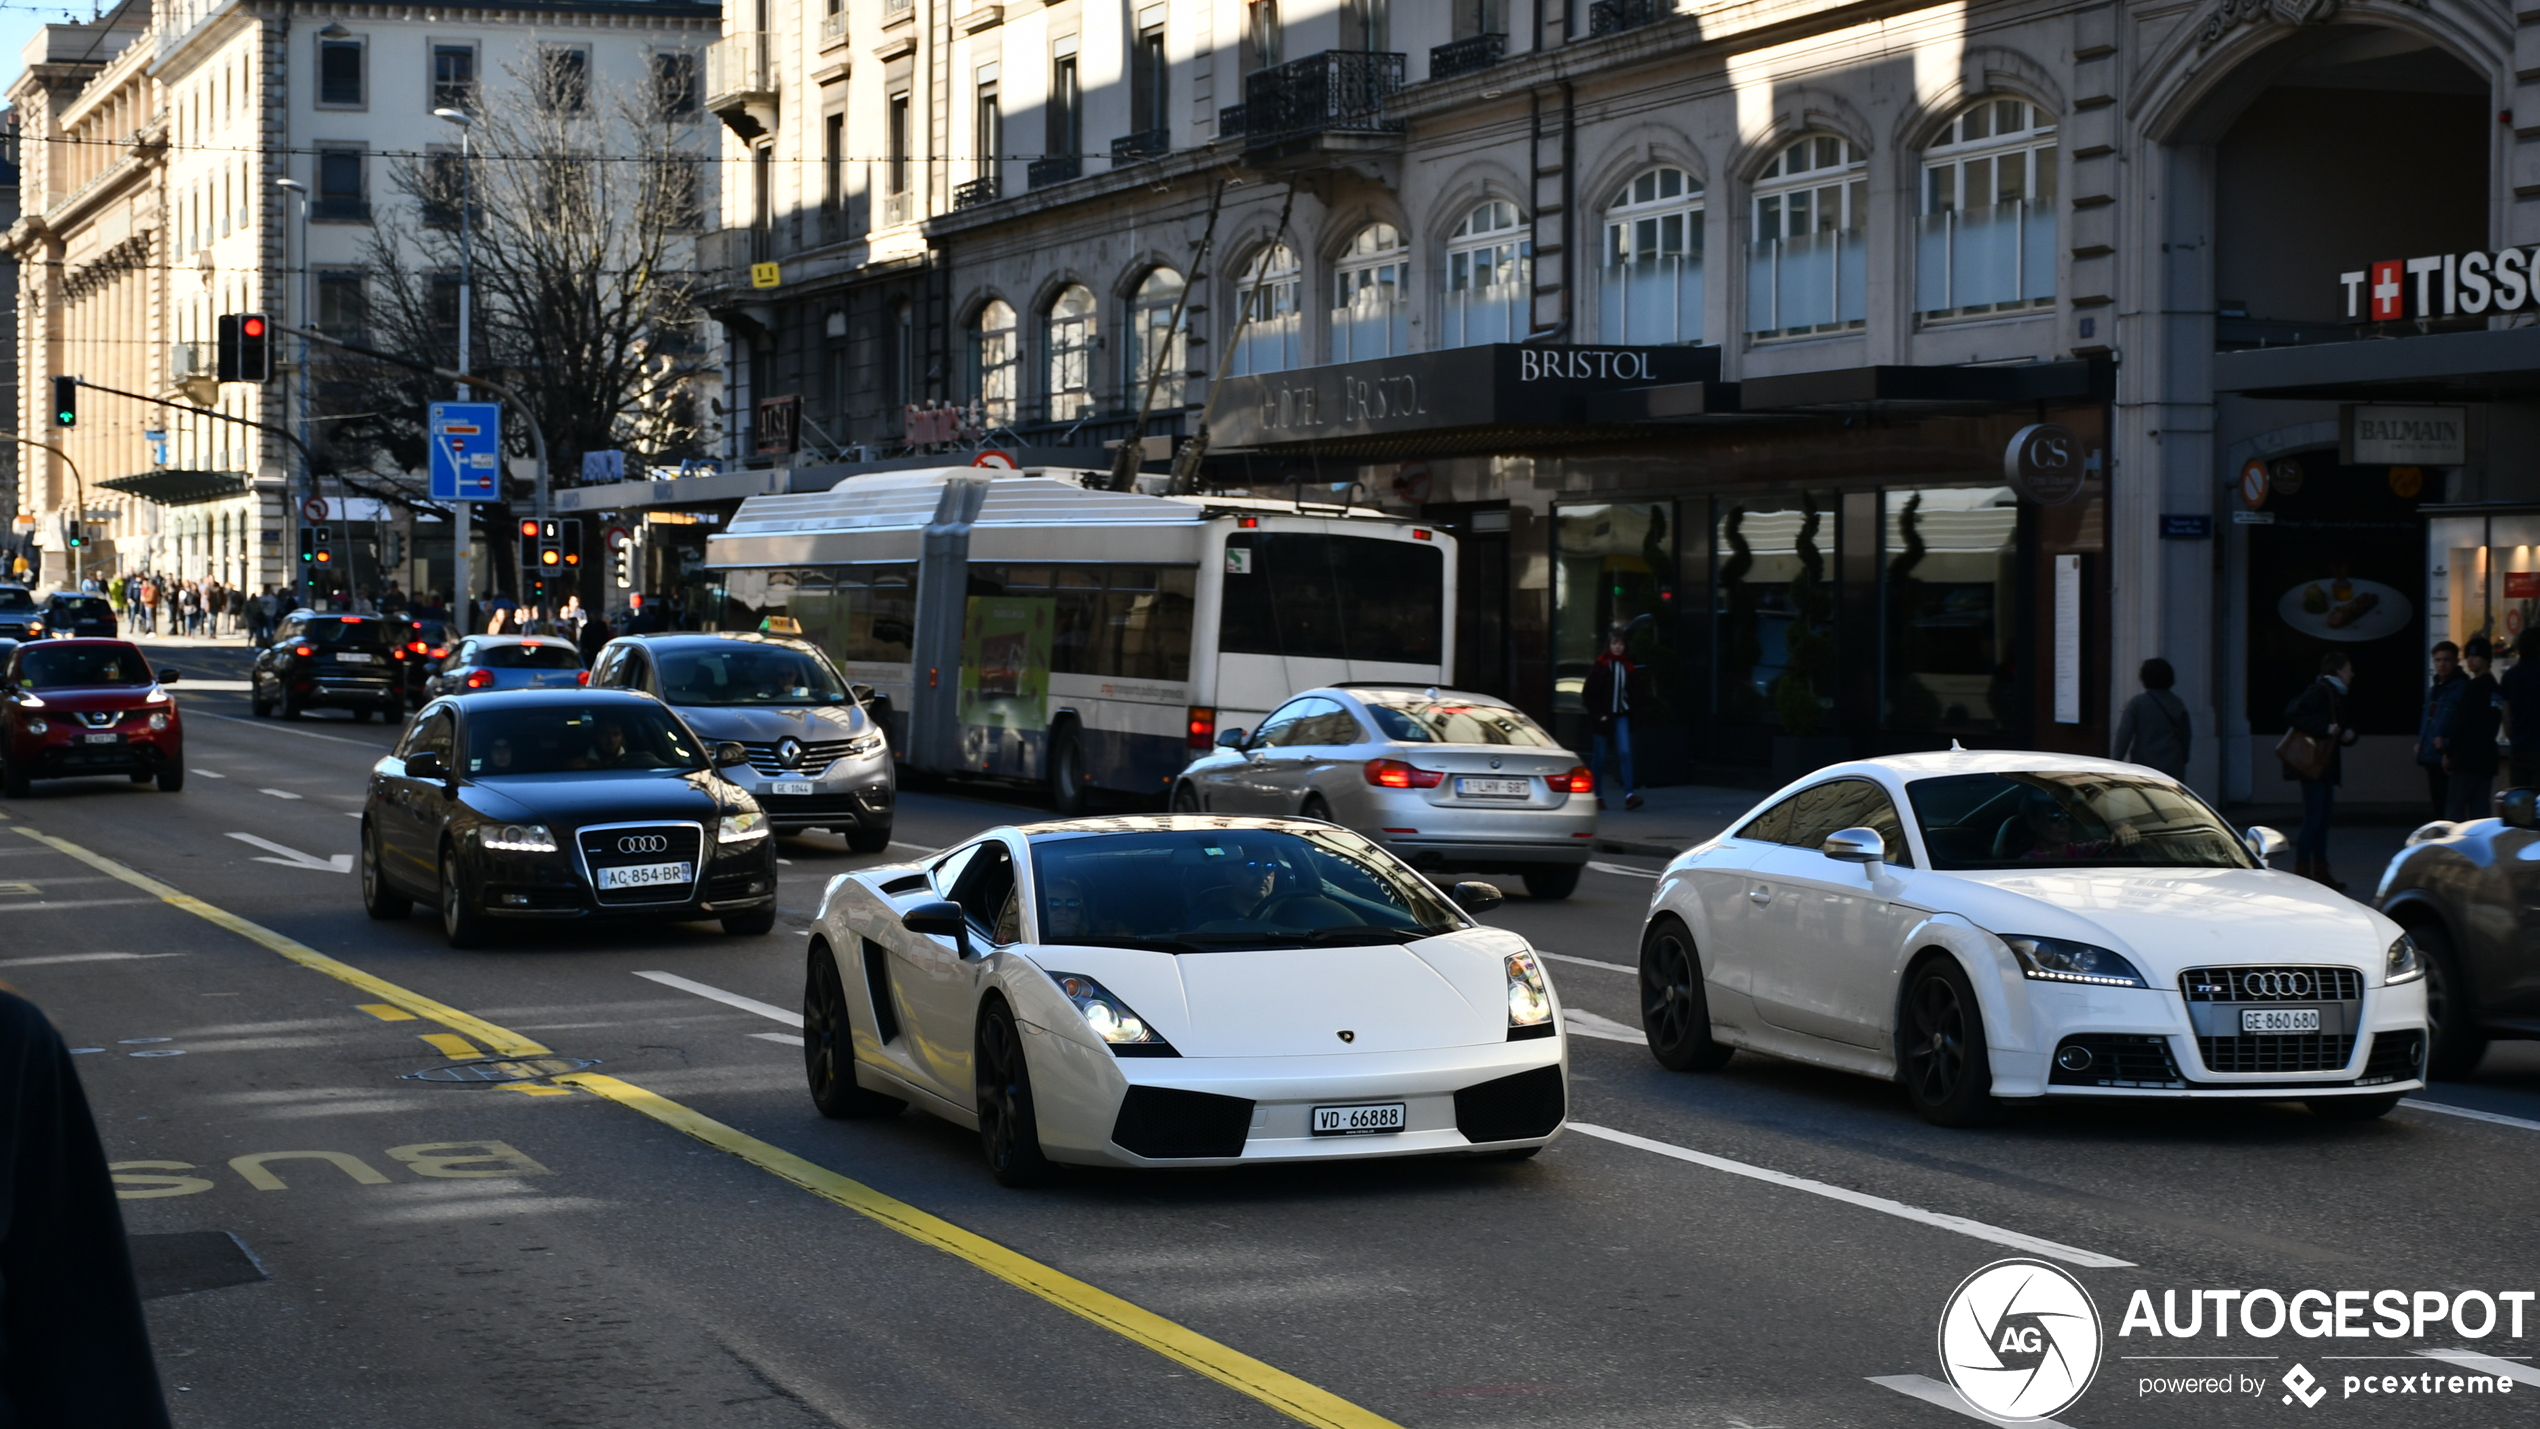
(558, 806)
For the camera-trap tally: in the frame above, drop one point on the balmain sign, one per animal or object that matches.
(1495, 385)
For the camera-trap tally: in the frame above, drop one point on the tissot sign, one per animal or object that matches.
(2442, 285)
(1498, 384)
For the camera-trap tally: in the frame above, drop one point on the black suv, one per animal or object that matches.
(345, 661)
(19, 619)
(68, 613)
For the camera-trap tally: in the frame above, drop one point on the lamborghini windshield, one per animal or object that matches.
(1204, 890)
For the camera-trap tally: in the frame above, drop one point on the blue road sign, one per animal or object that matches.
(467, 450)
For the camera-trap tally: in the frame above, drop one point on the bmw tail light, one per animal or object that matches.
(479, 679)
(304, 651)
(582, 679)
(1580, 780)
(1203, 727)
(1394, 774)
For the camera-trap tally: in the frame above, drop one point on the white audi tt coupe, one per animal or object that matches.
(1181, 991)
(1989, 925)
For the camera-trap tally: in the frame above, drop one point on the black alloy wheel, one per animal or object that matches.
(868, 840)
(1674, 1013)
(829, 1045)
(379, 900)
(1009, 1131)
(462, 926)
(1316, 810)
(1067, 774)
(1185, 799)
(2451, 1014)
(171, 778)
(1946, 1074)
(290, 708)
(1552, 881)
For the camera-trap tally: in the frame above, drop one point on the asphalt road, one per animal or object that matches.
(414, 1253)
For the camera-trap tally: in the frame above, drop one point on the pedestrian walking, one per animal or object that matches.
(2440, 697)
(2521, 689)
(2154, 730)
(593, 635)
(2469, 737)
(1608, 693)
(2312, 752)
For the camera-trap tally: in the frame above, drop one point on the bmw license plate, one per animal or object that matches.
(355, 657)
(1358, 1120)
(644, 875)
(108, 738)
(790, 786)
(2279, 1019)
(1493, 788)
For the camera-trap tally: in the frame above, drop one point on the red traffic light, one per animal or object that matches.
(529, 530)
(253, 325)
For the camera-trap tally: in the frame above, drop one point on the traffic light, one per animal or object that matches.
(323, 534)
(308, 545)
(572, 543)
(622, 562)
(66, 401)
(74, 534)
(395, 553)
(550, 545)
(246, 348)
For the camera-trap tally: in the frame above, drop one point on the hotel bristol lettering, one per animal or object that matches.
(2442, 285)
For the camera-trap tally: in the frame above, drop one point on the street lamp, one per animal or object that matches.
(300, 309)
(467, 295)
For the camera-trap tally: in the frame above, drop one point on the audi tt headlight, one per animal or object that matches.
(741, 826)
(1529, 999)
(2405, 963)
(516, 838)
(1107, 1015)
(2055, 960)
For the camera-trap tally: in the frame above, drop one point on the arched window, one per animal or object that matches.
(1154, 342)
(1808, 270)
(1267, 295)
(992, 361)
(1369, 316)
(1068, 337)
(1652, 288)
(1986, 239)
(1489, 277)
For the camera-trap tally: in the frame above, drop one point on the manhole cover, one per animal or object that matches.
(501, 1069)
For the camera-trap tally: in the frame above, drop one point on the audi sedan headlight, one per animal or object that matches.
(1529, 999)
(741, 826)
(2404, 963)
(516, 838)
(1110, 1018)
(2056, 960)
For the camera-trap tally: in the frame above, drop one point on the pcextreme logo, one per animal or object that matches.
(2020, 1339)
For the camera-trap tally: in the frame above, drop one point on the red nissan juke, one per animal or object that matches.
(71, 708)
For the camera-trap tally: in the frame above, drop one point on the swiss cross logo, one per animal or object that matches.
(2385, 293)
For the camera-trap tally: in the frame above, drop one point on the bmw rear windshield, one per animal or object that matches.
(2064, 819)
(529, 655)
(1218, 890)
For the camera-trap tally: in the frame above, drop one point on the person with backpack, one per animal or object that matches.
(2154, 730)
(2312, 753)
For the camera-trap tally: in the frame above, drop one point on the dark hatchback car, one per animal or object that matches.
(67, 613)
(20, 618)
(349, 662)
(2469, 896)
(71, 709)
(563, 805)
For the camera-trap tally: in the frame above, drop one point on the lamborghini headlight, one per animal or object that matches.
(2403, 963)
(1109, 1017)
(1529, 999)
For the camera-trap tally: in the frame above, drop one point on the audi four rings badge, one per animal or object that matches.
(644, 843)
(2278, 984)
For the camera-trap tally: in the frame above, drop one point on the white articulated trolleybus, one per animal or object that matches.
(1030, 625)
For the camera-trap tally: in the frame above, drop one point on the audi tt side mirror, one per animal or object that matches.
(941, 919)
(425, 764)
(2265, 843)
(170, 676)
(729, 753)
(1232, 738)
(1855, 846)
(2519, 808)
(1478, 897)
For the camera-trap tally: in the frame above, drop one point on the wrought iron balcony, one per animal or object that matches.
(1230, 122)
(975, 192)
(1609, 17)
(1335, 92)
(741, 82)
(1056, 169)
(1145, 144)
(1464, 56)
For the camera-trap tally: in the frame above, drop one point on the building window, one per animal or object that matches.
(1489, 277)
(1268, 296)
(1264, 38)
(1652, 284)
(1807, 270)
(675, 84)
(1985, 242)
(339, 74)
(988, 131)
(1068, 337)
(1150, 75)
(994, 362)
(443, 186)
(565, 79)
(1155, 343)
(454, 77)
(1367, 25)
(895, 144)
(1369, 316)
(1065, 138)
(340, 194)
(343, 306)
(900, 356)
(833, 162)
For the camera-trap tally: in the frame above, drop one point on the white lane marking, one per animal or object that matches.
(352, 813)
(279, 793)
(83, 958)
(69, 903)
(287, 729)
(1588, 962)
(728, 999)
(202, 773)
(1580, 1023)
(1624, 869)
(914, 848)
(2035, 1245)
(293, 858)
(2473, 1113)
(1932, 1391)
(2485, 1364)
(788, 1038)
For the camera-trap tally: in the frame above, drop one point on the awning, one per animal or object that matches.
(1495, 396)
(166, 487)
(2500, 364)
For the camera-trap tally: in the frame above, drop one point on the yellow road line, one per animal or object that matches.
(384, 1012)
(1228, 1366)
(510, 1044)
(451, 1045)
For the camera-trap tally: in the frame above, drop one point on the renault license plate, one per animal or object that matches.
(2279, 1019)
(1369, 1120)
(790, 786)
(644, 875)
(1493, 788)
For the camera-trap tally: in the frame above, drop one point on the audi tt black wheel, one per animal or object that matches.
(1943, 1063)
(1674, 1013)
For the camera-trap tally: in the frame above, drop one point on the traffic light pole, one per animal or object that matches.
(79, 552)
